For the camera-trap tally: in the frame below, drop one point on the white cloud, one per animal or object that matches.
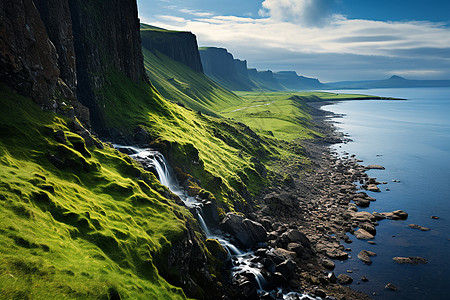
(311, 13)
(272, 39)
(196, 12)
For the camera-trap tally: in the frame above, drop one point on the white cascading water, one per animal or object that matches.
(242, 261)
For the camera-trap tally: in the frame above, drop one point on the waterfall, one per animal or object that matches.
(242, 261)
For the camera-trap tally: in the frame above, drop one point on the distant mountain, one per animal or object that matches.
(392, 82)
(221, 66)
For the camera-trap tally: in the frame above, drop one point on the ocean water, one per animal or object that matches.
(411, 139)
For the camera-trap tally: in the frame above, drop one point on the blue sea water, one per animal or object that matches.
(411, 139)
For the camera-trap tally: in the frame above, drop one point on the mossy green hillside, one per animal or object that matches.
(283, 115)
(96, 226)
(179, 83)
(218, 152)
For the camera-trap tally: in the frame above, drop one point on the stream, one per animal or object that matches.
(242, 261)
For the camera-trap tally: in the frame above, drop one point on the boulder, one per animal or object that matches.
(375, 167)
(396, 215)
(373, 188)
(344, 279)
(412, 260)
(363, 234)
(328, 264)
(365, 255)
(369, 227)
(361, 202)
(295, 236)
(391, 287)
(363, 216)
(247, 232)
(414, 226)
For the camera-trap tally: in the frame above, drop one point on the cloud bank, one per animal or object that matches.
(303, 35)
(310, 13)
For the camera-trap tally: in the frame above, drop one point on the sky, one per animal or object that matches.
(333, 40)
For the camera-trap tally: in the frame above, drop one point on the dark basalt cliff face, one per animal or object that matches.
(106, 39)
(28, 59)
(55, 49)
(292, 81)
(220, 65)
(178, 45)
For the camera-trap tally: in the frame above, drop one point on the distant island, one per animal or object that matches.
(392, 82)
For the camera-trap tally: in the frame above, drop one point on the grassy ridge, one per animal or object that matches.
(90, 228)
(224, 149)
(179, 83)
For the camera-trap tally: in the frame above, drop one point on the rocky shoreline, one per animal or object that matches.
(307, 219)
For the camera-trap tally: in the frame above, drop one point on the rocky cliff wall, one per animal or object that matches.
(179, 46)
(55, 49)
(28, 59)
(221, 66)
(292, 81)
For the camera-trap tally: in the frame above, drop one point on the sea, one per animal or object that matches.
(411, 139)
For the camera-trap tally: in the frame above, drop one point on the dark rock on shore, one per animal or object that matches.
(344, 279)
(363, 234)
(375, 167)
(365, 255)
(421, 228)
(412, 260)
(391, 287)
(246, 231)
(396, 215)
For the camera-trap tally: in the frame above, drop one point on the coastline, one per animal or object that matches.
(323, 204)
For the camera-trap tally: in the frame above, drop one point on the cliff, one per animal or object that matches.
(265, 80)
(47, 51)
(220, 65)
(292, 81)
(178, 45)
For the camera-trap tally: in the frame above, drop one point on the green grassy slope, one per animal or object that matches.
(216, 151)
(92, 227)
(177, 82)
(283, 115)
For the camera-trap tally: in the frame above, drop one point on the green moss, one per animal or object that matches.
(87, 228)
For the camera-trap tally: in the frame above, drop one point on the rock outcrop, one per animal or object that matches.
(292, 81)
(28, 58)
(180, 46)
(246, 231)
(64, 50)
(221, 66)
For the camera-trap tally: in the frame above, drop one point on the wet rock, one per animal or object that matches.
(361, 202)
(295, 236)
(363, 234)
(373, 188)
(374, 167)
(328, 264)
(279, 255)
(412, 260)
(364, 279)
(435, 217)
(287, 268)
(391, 287)
(344, 279)
(247, 232)
(378, 216)
(248, 290)
(421, 228)
(365, 255)
(396, 215)
(331, 277)
(370, 228)
(363, 216)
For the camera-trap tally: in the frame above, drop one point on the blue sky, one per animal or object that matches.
(328, 39)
